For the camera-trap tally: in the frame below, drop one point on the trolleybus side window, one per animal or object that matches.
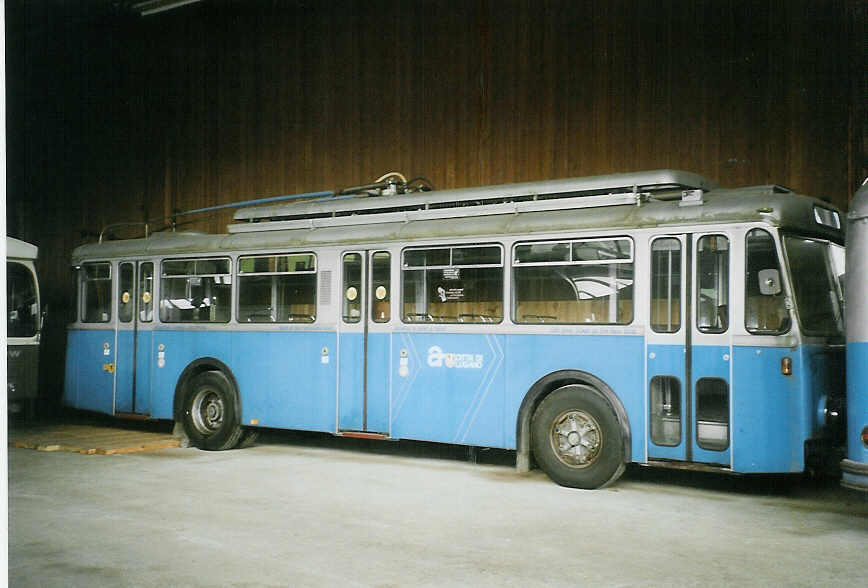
(665, 411)
(458, 284)
(712, 414)
(666, 285)
(765, 309)
(146, 289)
(126, 301)
(96, 292)
(580, 281)
(22, 314)
(195, 290)
(381, 286)
(712, 267)
(277, 288)
(352, 299)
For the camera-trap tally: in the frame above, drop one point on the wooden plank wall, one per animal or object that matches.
(122, 118)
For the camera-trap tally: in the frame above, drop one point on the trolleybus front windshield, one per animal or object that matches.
(817, 269)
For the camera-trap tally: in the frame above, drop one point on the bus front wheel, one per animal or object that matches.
(210, 419)
(576, 438)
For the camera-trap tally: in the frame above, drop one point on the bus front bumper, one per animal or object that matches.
(854, 474)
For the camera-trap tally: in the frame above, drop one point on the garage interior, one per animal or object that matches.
(130, 111)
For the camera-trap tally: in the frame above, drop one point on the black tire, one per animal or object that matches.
(576, 438)
(248, 437)
(210, 418)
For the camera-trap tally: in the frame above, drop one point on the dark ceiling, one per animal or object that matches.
(35, 17)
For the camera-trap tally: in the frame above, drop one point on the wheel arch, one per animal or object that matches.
(193, 369)
(545, 386)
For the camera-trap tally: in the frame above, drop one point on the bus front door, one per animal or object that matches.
(689, 350)
(364, 342)
(134, 338)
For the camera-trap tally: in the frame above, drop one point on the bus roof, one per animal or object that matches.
(18, 249)
(557, 191)
(673, 207)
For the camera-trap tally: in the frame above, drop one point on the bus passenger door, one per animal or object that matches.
(364, 342)
(667, 348)
(689, 351)
(711, 350)
(134, 338)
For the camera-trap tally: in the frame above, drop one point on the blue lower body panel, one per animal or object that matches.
(854, 472)
(449, 389)
(377, 397)
(770, 427)
(467, 388)
(175, 350)
(351, 397)
(90, 370)
(287, 379)
(617, 360)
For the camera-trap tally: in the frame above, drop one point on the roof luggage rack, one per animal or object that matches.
(590, 192)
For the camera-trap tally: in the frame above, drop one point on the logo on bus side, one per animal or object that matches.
(437, 358)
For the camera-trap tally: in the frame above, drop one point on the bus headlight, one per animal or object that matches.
(822, 413)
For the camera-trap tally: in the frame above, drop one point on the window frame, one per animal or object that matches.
(515, 263)
(346, 303)
(451, 247)
(126, 308)
(697, 286)
(372, 286)
(681, 284)
(787, 324)
(239, 274)
(82, 279)
(163, 277)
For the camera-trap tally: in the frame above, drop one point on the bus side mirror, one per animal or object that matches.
(769, 282)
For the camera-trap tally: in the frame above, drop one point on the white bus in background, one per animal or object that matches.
(23, 325)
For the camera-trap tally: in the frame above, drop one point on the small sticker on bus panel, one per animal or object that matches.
(404, 364)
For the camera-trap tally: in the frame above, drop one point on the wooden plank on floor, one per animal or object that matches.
(91, 440)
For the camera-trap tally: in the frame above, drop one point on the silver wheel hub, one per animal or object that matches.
(576, 438)
(207, 411)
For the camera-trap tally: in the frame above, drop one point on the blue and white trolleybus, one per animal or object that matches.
(586, 323)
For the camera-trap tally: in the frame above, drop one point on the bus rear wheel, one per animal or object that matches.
(209, 418)
(576, 438)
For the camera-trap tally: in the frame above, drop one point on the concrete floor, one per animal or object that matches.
(311, 510)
